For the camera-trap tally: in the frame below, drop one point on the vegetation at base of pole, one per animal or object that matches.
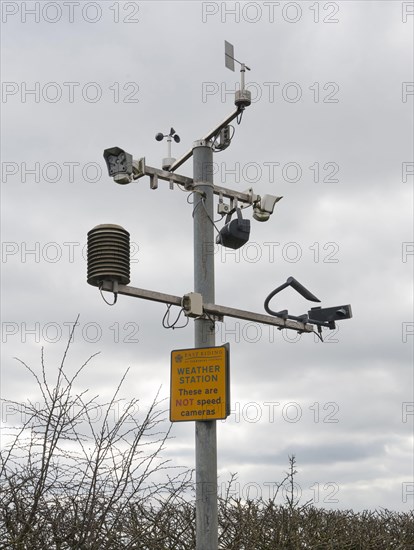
(75, 477)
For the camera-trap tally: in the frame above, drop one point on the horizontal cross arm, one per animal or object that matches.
(209, 309)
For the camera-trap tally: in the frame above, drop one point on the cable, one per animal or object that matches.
(192, 193)
(198, 204)
(216, 136)
(105, 300)
(181, 188)
(166, 319)
(203, 200)
(318, 335)
(195, 208)
(213, 323)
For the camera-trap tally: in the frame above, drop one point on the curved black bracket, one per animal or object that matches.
(325, 317)
(291, 281)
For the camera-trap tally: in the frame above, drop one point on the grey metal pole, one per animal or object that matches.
(204, 336)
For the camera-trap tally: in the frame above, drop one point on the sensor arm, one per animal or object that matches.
(291, 281)
(207, 137)
(212, 311)
(325, 317)
(141, 169)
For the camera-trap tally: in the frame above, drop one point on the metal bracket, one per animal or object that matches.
(214, 317)
(223, 209)
(253, 197)
(246, 198)
(154, 181)
(138, 168)
(211, 311)
(291, 281)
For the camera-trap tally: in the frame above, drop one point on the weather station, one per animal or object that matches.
(200, 376)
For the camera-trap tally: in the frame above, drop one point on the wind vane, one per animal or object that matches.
(229, 60)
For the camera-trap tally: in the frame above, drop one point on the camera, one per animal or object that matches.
(119, 164)
(263, 208)
(328, 315)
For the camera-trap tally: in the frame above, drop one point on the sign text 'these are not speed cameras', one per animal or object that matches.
(200, 388)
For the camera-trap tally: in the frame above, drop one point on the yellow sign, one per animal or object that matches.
(200, 388)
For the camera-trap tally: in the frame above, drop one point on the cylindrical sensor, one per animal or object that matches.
(108, 254)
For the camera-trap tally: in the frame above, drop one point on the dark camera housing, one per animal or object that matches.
(118, 161)
(328, 315)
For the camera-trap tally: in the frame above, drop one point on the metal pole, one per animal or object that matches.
(204, 336)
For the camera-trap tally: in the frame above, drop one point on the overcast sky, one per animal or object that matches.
(330, 129)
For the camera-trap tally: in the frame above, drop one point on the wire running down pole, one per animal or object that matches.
(204, 336)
